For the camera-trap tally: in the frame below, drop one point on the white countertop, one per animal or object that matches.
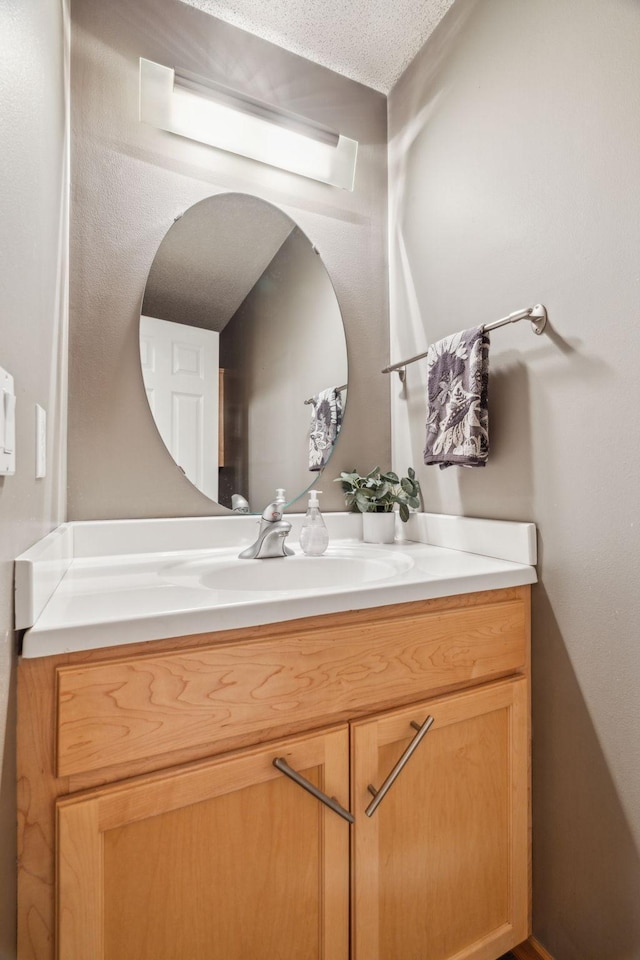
(103, 584)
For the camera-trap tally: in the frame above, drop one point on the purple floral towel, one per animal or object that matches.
(326, 420)
(457, 389)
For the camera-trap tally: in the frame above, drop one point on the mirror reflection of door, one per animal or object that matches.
(180, 372)
(238, 267)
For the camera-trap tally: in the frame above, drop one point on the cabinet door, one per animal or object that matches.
(225, 859)
(441, 867)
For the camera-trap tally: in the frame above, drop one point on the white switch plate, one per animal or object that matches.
(41, 442)
(7, 425)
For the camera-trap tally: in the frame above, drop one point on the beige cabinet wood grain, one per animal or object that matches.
(441, 866)
(154, 825)
(219, 860)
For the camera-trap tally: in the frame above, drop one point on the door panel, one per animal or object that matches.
(441, 867)
(221, 860)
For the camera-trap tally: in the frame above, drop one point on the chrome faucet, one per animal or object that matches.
(272, 533)
(240, 504)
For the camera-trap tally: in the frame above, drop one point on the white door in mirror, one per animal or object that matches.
(180, 372)
(7, 425)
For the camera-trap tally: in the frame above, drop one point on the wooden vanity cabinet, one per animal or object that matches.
(153, 823)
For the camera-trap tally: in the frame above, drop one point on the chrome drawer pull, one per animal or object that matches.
(379, 795)
(281, 764)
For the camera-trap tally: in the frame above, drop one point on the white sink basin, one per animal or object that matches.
(339, 567)
(96, 584)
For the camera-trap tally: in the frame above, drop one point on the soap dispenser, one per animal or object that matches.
(314, 536)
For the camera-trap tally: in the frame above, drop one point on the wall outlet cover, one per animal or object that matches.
(7, 424)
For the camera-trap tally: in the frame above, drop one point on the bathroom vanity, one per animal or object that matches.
(154, 823)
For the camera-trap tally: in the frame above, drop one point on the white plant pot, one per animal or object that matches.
(378, 527)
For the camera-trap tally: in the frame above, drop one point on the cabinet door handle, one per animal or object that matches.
(379, 795)
(281, 764)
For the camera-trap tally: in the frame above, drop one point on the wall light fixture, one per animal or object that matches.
(211, 113)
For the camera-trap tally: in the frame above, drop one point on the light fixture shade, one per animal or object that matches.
(209, 113)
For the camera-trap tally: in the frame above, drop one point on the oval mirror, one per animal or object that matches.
(243, 351)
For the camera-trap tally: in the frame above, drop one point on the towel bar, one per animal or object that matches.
(339, 389)
(537, 315)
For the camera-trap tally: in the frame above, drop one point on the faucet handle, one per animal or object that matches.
(273, 511)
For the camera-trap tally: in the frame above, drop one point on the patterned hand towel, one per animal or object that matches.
(457, 390)
(326, 420)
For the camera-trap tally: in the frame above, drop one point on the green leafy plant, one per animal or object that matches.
(378, 492)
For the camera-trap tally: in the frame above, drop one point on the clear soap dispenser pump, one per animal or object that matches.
(314, 536)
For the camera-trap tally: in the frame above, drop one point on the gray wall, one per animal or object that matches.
(515, 172)
(291, 335)
(33, 258)
(130, 181)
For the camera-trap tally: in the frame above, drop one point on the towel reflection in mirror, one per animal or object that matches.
(326, 420)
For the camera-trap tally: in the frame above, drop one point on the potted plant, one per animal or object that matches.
(375, 495)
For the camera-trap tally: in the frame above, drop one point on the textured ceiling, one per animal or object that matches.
(371, 41)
